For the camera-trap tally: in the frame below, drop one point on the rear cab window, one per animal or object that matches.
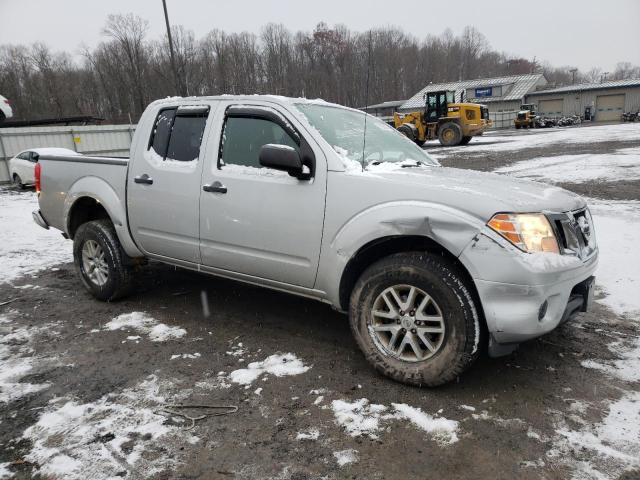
(177, 133)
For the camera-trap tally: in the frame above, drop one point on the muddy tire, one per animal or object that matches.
(450, 134)
(443, 343)
(100, 261)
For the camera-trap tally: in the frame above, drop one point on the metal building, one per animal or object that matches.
(92, 140)
(602, 102)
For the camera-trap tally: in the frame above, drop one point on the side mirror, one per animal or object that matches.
(281, 157)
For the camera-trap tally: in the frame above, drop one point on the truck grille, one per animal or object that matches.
(575, 232)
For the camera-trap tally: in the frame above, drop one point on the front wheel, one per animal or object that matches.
(99, 261)
(415, 320)
(465, 140)
(450, 134)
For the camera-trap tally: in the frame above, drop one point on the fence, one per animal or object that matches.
(502, 119)
(105, 140)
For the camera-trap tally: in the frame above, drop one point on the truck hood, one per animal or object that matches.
(480, 194)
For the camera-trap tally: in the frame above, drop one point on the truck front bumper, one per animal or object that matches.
(533, 300)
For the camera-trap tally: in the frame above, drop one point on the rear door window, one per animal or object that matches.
(177, 133)
(161, 131)
(186, 137)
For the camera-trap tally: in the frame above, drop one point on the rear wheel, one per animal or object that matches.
(450, 134)
(414, 319)
(100, 261)
(17, 181)
(420, 143)
(465, 140)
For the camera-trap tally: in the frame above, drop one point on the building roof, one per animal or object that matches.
(522, 84)
(389, 104)
(632, 82)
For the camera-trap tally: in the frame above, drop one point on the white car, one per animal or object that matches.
(5, 109)
(22, 166)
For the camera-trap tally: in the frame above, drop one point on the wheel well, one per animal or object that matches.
(383, 247)
(84, 210)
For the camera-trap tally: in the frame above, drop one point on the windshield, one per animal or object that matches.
(343, 129)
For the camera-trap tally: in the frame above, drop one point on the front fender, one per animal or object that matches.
(105, 195)
(450, 228)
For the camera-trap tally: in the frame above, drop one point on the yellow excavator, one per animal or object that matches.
(442, 118)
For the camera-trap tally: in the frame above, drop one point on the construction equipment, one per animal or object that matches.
(442, 118)
(526, 117)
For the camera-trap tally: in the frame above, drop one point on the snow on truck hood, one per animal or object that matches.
(481, 194)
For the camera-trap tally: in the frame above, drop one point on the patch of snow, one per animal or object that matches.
(118, 432)
(185, 356)
(4, 471)
(17, 360)
(617, 228)
(345, 457)
(311, 434)
(147, 325)
(609, 447)
(627, 367)
(26, 248)
(358, 418)
(318, 400)
(623, 164)
(258, 391)
(279, 365)
(467, 407)
(442, 429)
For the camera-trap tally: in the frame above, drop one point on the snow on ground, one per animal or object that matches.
(116, 433)
(17, 360)
(311, 434)
(361, 418)
(144, 324)
(26, 248)
(279, 365)
(622, 164)
(626, 367)
(617, 227)
(345, 457)
(605, 449)
(499, 142)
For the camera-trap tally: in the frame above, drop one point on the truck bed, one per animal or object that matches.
(64, 178)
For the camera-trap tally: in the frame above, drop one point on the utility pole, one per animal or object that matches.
(573, 75)
(179, 87)
(604, 77)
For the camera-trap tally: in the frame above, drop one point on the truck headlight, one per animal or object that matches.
(530, 232)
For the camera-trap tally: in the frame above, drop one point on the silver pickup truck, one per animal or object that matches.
(432, 264)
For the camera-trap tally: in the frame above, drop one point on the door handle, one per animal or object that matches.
(215, 187)
(146, 179)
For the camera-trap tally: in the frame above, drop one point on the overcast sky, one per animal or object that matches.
(582, 33)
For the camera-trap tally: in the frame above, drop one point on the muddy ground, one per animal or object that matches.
(524, 395)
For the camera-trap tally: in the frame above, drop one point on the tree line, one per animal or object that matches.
(119, 77)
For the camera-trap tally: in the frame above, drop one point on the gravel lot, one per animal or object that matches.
(82, 382)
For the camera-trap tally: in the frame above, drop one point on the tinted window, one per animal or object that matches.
(162, 131)
(243, 138)
(24, 155)
(186, 136)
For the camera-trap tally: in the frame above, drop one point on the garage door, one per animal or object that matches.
(550, 108)
(609, 108)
